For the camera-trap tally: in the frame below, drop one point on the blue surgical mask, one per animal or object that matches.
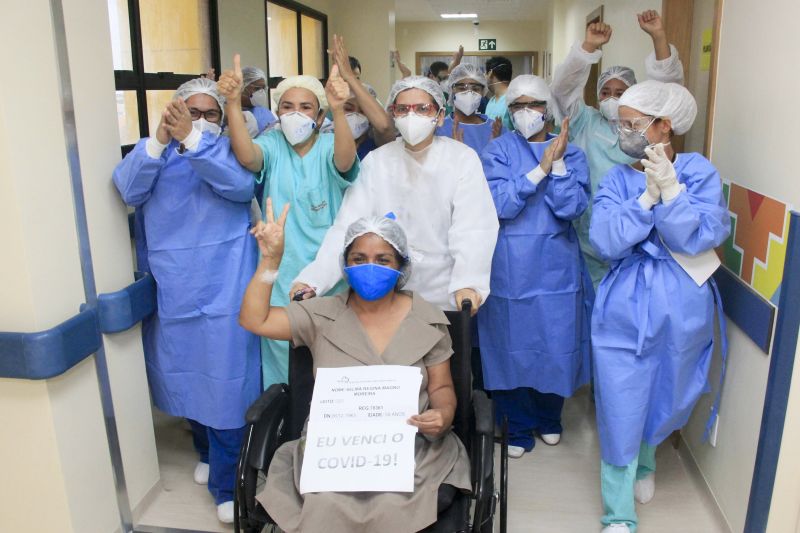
(370, 281)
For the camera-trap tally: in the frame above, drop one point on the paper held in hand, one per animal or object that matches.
(358, 438)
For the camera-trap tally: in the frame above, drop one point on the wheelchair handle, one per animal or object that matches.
(466, 305)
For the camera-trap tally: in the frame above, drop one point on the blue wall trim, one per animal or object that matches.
(746, 308)
(46, 354)
(779, 383)
(49, 353)
(121, 310)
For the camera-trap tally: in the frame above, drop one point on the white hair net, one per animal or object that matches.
(417, 82)
(387, 229)
(200, 86)
(466, 71)
(304, 82)
(532, 87)
(252, 74)
(663, 100)
(623, 74)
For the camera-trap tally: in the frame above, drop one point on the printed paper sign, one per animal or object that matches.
(358, 437)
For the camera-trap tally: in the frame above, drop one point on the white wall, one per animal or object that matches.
(755, 158)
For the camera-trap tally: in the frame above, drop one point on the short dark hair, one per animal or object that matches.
(436, 67)
(500, 67)
(354, 63)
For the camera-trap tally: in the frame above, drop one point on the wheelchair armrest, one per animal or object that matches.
(267, 398)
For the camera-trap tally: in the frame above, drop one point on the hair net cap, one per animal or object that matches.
(623, 74)
(252, 74)
(466, 71)
(531, 86)
(388, 230)
(663, 100)
(303, 82)
(200, 86)
(417, 82)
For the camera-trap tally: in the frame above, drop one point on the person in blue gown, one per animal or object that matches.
(656, 222)
(533, 328)
(300, 166)
(466, 86)
(593, 129)
(255, 101)
(194, 199)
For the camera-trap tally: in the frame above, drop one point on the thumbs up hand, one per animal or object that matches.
(230, 83)
(337, 89)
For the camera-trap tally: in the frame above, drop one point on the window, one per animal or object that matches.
(297, 41)
(157, 46)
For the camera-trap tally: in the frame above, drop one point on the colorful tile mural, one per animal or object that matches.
(756, 248)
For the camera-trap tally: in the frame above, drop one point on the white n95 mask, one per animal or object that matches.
(259, 98)
(415, 128)
(359, 124)
(467, 102)
(297, 127)
(528, 122)
(202, 125)
(609, 108)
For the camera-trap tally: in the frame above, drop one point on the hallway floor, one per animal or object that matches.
(553, 489)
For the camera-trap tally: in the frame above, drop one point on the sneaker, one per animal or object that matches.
(515, 452)
(201, 473)
(644, 489)
(551, 439)
(225, 512)
(616, 528)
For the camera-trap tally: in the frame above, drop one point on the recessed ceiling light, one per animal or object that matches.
(459, 15)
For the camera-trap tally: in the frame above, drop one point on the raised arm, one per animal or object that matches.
(256, 314)
(663, 63)
(136, 175)
(404, 70)
(337, 92)
(379, 119)
(570, 77)
(230, 86)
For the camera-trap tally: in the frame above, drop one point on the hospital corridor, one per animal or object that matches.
(435, 266)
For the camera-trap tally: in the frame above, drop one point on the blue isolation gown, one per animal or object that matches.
(652, 326)
(314, 188)
(534, 327)
(498, 107)
(476, 136)
(200, 363)
(264, 117)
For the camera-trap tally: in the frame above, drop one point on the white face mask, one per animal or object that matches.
(202, 125)
(359, 124)
(528, 122)
(415, 128)
(297, 127)
(609, 108)
(259, 98)
(467, 102)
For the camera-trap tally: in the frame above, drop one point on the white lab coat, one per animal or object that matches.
(441, 199)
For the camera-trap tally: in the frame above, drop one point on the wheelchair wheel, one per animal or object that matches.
(504, 476)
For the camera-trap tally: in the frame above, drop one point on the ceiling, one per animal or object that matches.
(429, 10)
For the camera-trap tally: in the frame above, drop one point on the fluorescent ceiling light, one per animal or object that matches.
(459, 15)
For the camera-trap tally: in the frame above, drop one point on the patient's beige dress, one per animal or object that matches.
(335, 336)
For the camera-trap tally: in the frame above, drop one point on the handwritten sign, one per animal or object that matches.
(358, 438)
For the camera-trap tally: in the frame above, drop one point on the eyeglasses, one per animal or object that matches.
(401, 110)
(460, 87)
(628, 127)
(519, 106)
(211, 115)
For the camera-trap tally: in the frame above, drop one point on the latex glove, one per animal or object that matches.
(651, 195)
(659, 168)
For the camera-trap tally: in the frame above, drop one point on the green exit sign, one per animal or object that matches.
(487, 44)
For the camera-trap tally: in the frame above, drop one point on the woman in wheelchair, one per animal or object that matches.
(374, 323)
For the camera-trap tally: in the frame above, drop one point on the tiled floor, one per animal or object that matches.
(552, 490)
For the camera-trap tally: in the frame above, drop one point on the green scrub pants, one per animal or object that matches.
(616, 487)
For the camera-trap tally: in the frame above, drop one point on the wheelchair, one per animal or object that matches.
(279, 414)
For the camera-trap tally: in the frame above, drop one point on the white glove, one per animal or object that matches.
(659, 169)
(651, 195)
